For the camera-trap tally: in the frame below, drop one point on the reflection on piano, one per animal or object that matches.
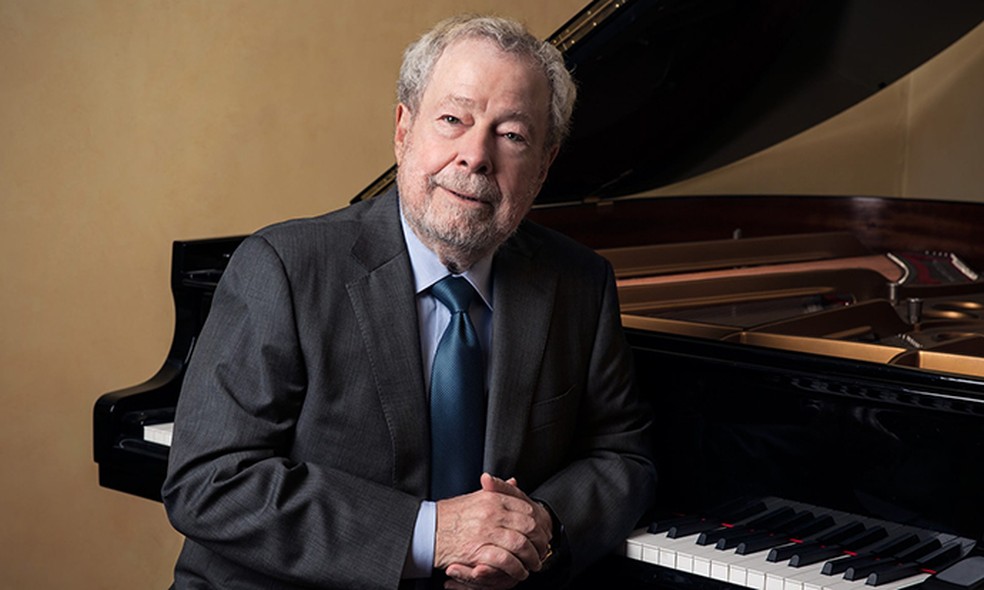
(816, 363)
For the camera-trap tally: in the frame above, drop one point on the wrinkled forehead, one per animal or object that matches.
(480, 64)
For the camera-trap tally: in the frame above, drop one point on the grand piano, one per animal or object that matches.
(816, 363)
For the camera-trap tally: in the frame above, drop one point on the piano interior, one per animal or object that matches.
(815, 293)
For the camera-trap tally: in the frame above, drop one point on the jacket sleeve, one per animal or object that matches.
(610, 481)
(232, 487)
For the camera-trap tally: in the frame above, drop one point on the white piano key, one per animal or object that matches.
(812, 576)
(755, 579)
(685, 562)
(719, 570)
(633, 544)
(702, 566)
(676, 554)
(650, 554)
(750, 570)
(667, 557)
(159, 433)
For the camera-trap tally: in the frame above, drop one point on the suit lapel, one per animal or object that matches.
(385, 308)
(523, 299)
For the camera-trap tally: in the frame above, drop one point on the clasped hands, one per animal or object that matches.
(491, 538)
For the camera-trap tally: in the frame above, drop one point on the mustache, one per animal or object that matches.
(471, 185)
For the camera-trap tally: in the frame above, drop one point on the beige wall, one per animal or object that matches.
(921, 137)
(126, 124)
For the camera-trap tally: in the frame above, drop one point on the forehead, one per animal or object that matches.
(477, 69)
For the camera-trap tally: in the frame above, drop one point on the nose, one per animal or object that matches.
(475, 152)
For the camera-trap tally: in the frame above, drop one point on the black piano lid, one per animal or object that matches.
(669, 89)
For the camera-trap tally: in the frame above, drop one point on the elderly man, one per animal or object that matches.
(423, 386)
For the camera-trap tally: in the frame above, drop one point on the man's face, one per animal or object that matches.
(473, 157)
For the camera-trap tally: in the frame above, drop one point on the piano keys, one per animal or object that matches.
(898, 556)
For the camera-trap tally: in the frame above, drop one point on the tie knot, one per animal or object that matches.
(454, 292)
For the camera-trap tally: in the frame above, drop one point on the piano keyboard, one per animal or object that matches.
(781, 545)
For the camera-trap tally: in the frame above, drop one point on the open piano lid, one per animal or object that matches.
(669, 89)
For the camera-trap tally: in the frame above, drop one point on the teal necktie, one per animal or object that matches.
(457, 397)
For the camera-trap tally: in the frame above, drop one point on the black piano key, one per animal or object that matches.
(778, 554)
(826, 539)
(812, 555)
(912, 554)
(887, 548)
(663, 524)
(862, 572)
(823, 547)
(864, 542)
(760, 542)
(815, 526)
(897, 571)
(920, 550)
(939, 559)
(759, 522)
(711, 537)
(691, 528)
(779, 527)
(726, 516)
(735, 537)
(689, 524)
(810, 526)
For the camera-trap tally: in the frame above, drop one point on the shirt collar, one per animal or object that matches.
(427, 267)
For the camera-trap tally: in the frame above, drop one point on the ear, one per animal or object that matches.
(404, 119)
(548, 162)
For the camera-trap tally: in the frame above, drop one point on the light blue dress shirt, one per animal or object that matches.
(433, 318)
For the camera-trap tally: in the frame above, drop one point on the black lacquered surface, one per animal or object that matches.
(869, 439)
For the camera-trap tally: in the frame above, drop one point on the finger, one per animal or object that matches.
(456, 585)
(540, 530)
(491, 483)
(490, 564)
(508, 487)
(480, 576)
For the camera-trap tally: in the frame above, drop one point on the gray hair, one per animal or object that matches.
(511, 37)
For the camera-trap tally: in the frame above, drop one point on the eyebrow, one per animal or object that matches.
(463, 101)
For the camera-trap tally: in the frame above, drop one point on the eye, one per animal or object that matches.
(514, 137)
(450, 119)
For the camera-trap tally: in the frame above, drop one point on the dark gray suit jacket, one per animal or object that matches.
(300, 451)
